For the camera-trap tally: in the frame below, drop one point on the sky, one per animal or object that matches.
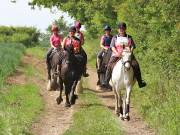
(20, 14)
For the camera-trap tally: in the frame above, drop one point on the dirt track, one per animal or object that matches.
(56, 119)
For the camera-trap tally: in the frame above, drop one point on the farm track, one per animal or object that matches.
(56, 119)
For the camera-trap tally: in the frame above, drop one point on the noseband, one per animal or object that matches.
(127, 69)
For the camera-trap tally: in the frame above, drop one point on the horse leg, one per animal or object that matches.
(72, 95)
(120, 105)
(116, 101)
(60, 99)
(67, 90)
(127, 103)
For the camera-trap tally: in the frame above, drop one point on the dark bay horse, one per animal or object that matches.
(103, 67)
(69, 73)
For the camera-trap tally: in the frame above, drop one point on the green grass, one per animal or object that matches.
(38, 51)
(92, 118)
(159, 104)
(10, 57)
(19, 105)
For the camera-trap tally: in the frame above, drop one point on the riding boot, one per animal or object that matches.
(110, 66)
(137, 73)
(107, 78)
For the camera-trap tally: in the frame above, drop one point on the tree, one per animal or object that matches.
(94, 14)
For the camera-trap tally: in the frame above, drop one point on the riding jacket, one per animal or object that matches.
(74, 41)
(55, 41)
(106, 40)
(119, 42)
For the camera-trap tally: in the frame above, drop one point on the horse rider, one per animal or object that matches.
(80, 36)
(55, 42)
(71, 39)
(117, 52)
(104, 44)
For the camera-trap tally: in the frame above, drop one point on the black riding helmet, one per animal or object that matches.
(72, 29)
(122, 25)
(107, 27)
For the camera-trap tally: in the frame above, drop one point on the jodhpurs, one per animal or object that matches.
(136, 69)
(110, 66)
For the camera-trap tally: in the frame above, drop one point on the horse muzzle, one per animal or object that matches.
(127, 65)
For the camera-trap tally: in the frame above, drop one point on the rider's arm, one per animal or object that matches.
(112, 45)
(102, 43)
(51, 42)
(63, 43)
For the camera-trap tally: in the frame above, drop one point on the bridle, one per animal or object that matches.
(124, 63)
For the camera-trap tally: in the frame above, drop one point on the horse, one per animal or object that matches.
(70, 73)
(53, 82)
(123, 78)
(103, 66)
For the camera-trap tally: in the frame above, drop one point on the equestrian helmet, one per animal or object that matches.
(122, 25)
(107, 28)
(54, 27)
(77, 24)
(72, 29)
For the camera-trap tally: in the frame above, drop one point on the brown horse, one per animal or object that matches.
(103, 66)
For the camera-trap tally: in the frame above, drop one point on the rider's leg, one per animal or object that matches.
(137, 72)
(48, 62)
(99, 59)
(85, 74)
(110, 66)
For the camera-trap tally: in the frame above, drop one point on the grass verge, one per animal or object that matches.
(18, 108)
(92, 118)
(10, 57)
(19, 104)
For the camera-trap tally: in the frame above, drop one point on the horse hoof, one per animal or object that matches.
(67, 105)
(73, 101)
(127, 118)
(98, 87)
(59, 100)
(122, 118)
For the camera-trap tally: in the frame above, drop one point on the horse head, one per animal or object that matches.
(69, 54)
(126, 59)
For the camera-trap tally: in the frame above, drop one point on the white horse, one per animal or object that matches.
(123, 78)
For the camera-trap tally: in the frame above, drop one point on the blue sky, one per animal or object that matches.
(20, 14)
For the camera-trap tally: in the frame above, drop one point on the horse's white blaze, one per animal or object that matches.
(122, 78)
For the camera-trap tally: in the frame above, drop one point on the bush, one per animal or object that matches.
(28, 36)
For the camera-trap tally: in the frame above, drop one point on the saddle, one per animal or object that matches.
(59, 51)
